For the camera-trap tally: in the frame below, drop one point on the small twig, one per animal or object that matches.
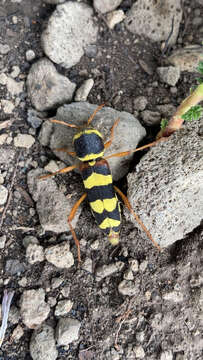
(121, 319)
(10, 191)
(6, 303)
(23, 228)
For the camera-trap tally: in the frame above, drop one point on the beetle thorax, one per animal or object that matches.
(88, 144)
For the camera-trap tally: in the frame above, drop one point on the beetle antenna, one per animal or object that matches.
(64, 123)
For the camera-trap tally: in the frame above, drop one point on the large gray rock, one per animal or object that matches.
(34, 310)
(127, 134)
(42, 344)
(53, 207)
(67, 331)
(187, 58)
(154, 19)
(46, 87)
(70, 29)
(166, 190)
(105, 6)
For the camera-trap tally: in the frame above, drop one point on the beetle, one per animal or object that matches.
(97, 179)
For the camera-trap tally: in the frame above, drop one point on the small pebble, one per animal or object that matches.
(30, 55)
(63, 307)
(24, 140)
(114, 17)
(139, 352)
(34, 253)
(67, 331)
(2, 241)
(3, 195)
(18, 332)
(4, 49)
(84, 90)
(30, 240)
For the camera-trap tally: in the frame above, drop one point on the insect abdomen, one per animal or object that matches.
(103, 201)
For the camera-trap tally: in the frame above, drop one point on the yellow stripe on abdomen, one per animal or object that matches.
(109, 223)
(106, 204)
(97, 180)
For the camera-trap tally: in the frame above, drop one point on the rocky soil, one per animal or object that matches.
(61, 59)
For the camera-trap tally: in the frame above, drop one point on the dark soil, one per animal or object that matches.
(119, 79)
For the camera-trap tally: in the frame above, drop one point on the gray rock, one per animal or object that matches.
(63, 307)
(30, 240)
(45, 133)
(67, 331)
(34, 310)
(34, 253)
(170, 75)
(114, 17)
(166, 355)
(24, 140)
(139, 352)
(4, 49)
(108, 270)
(42, 344)
(128, 288)
(52, 206)
(70, 29)
(151, 117)
(46, 87)
(167, 189)
(104, 6)
(174, 296)
(140, 103)
(15, 72)
(3, 195)
(14, 87)
(78, 113)
(17, 333)
(84, 90)
(30, 55)
(154, 19)
(6, 155)
(13, 316)
(187, 58)
(60, 255)
(2, 241)
(7, 106)
(34, 118)
(14, 266)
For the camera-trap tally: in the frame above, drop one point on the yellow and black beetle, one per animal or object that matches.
(97, 179)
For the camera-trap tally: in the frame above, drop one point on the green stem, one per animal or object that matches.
(176, 121)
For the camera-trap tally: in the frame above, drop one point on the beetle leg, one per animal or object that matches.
(128, 205)
(94, 113)
(63, 149)
(62, 171)
(108, 143)
(125, 153)
(71, 217)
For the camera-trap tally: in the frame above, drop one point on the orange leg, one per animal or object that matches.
(128, 205)
(70, 218)
(62, 171)
(94, 113)
(108, 143)
(125, 153)
(72, 153)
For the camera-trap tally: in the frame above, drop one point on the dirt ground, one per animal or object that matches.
(146, 321)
